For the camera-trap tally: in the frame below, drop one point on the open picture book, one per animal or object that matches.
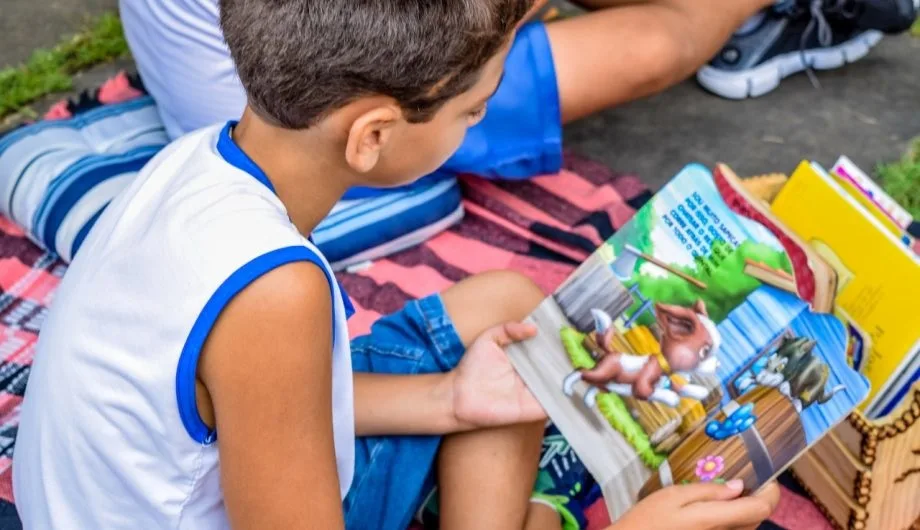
(698, 344)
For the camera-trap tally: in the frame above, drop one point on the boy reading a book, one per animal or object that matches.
(199, 306)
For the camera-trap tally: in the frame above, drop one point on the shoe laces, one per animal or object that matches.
(817, 11)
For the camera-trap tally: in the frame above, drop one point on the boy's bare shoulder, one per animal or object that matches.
(293, 291)
(279, 327)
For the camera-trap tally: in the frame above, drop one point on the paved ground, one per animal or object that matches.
(868, 110)
(29, 24)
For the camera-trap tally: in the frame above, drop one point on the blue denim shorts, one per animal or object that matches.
(394, 474)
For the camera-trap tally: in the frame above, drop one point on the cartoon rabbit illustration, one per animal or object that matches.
(689, 341)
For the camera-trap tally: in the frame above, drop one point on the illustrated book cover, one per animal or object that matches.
(692, 346)
(878, 278)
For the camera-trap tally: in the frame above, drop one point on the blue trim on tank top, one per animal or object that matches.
(187, 370)
(233, 155)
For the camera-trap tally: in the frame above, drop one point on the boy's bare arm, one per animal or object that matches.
(404, 404)
(267, 368)
(483, 391)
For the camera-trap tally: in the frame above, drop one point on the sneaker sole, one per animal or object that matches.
(766, 77)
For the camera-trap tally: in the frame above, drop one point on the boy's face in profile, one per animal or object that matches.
(413, 150)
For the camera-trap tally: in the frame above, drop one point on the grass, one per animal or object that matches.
(901, 179)
(915, 30)
(49, 70)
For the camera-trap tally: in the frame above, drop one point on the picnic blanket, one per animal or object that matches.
(542, 227)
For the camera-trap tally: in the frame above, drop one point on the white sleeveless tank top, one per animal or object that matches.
(110, 434)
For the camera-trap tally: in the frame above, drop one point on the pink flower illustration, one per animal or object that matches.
(709, 468)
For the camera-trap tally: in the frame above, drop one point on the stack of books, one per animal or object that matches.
(862, 233)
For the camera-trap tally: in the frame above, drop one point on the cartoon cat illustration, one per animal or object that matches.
(689, 340)
(798, 373)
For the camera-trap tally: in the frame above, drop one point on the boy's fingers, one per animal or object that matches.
(734, 513)
(771, 494)
(511, 332)
(709, 492)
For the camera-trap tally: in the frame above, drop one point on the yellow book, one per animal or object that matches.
(880, 276)
(870, 207)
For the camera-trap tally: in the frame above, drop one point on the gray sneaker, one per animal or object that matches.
(802, 35)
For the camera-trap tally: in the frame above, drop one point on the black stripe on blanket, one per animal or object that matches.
(788, 481)
(563, 236)
(639, 201)
(422, 255)
(601, 222)
(9, 519)
(384, 298)
(13, 378)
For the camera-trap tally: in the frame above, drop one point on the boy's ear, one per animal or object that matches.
(368, 136)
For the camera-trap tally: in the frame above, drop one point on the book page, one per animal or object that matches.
(679, 352)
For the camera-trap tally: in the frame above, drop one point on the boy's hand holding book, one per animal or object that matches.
(486, 390)
(701, 506)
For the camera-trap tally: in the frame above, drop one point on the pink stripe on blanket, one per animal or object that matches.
(597, 516)
(497, 235)
(798, 513)
(12, 271)
(9, 404)
(117, 90)
(18, 346)
(588, 196)
(360, 323)
(19, 279)
(6, 479)
(34, 285)
(458, 251)
(417, 282)
(9, 228)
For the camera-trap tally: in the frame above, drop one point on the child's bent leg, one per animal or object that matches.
(489, 299)
(626, 52)
(486, 477)
(394, 474)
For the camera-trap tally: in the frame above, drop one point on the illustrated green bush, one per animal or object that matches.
(727, 284)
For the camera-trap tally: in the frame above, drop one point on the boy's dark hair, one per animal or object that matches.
(301, 59)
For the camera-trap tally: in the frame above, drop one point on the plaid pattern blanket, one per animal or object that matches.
(542, 227)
